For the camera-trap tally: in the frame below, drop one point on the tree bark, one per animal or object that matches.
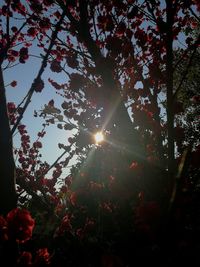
(169, 85)
(159, 137)
(8, 196)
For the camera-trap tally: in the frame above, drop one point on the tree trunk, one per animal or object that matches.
(169, 85)
(115, 112)
(8, 196)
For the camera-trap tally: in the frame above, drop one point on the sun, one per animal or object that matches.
(99, 137)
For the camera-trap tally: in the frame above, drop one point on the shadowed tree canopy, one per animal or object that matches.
(117, 56)
(126, 68)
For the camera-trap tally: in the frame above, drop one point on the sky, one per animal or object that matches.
(24, 74)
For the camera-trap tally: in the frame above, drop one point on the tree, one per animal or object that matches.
(118, 45)
(11, 37)
(105, 69)
(112, 41)
(118, 60)
(186, 80)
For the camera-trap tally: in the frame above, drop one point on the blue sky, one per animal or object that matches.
(24, 74)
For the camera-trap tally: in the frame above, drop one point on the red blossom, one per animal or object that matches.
(11, 107)
(56, 173)
(32, 32)
(38, 85)
(64, 189)
(105, 23)
(107, 207)
(23, 55)
(51, 103)
(25, 259)
(55, 84)
(37, 144)
(65, 225)
(80, 233)
(42, 257)
(68, 180)
(20, 225)
(36, 7)
(14, 53)
(13, 83)
(71, 140)
(133, 165)
(21, 159)
(57, 14)
(45, 24)
(41, 134)
(14, 29)
(18, 7)
(65, 105)
(196, 99)
(21, 129)
(55, 66)
(121, 30)
(72, 61)
(73, 198)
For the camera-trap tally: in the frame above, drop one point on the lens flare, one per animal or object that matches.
(99, 137)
